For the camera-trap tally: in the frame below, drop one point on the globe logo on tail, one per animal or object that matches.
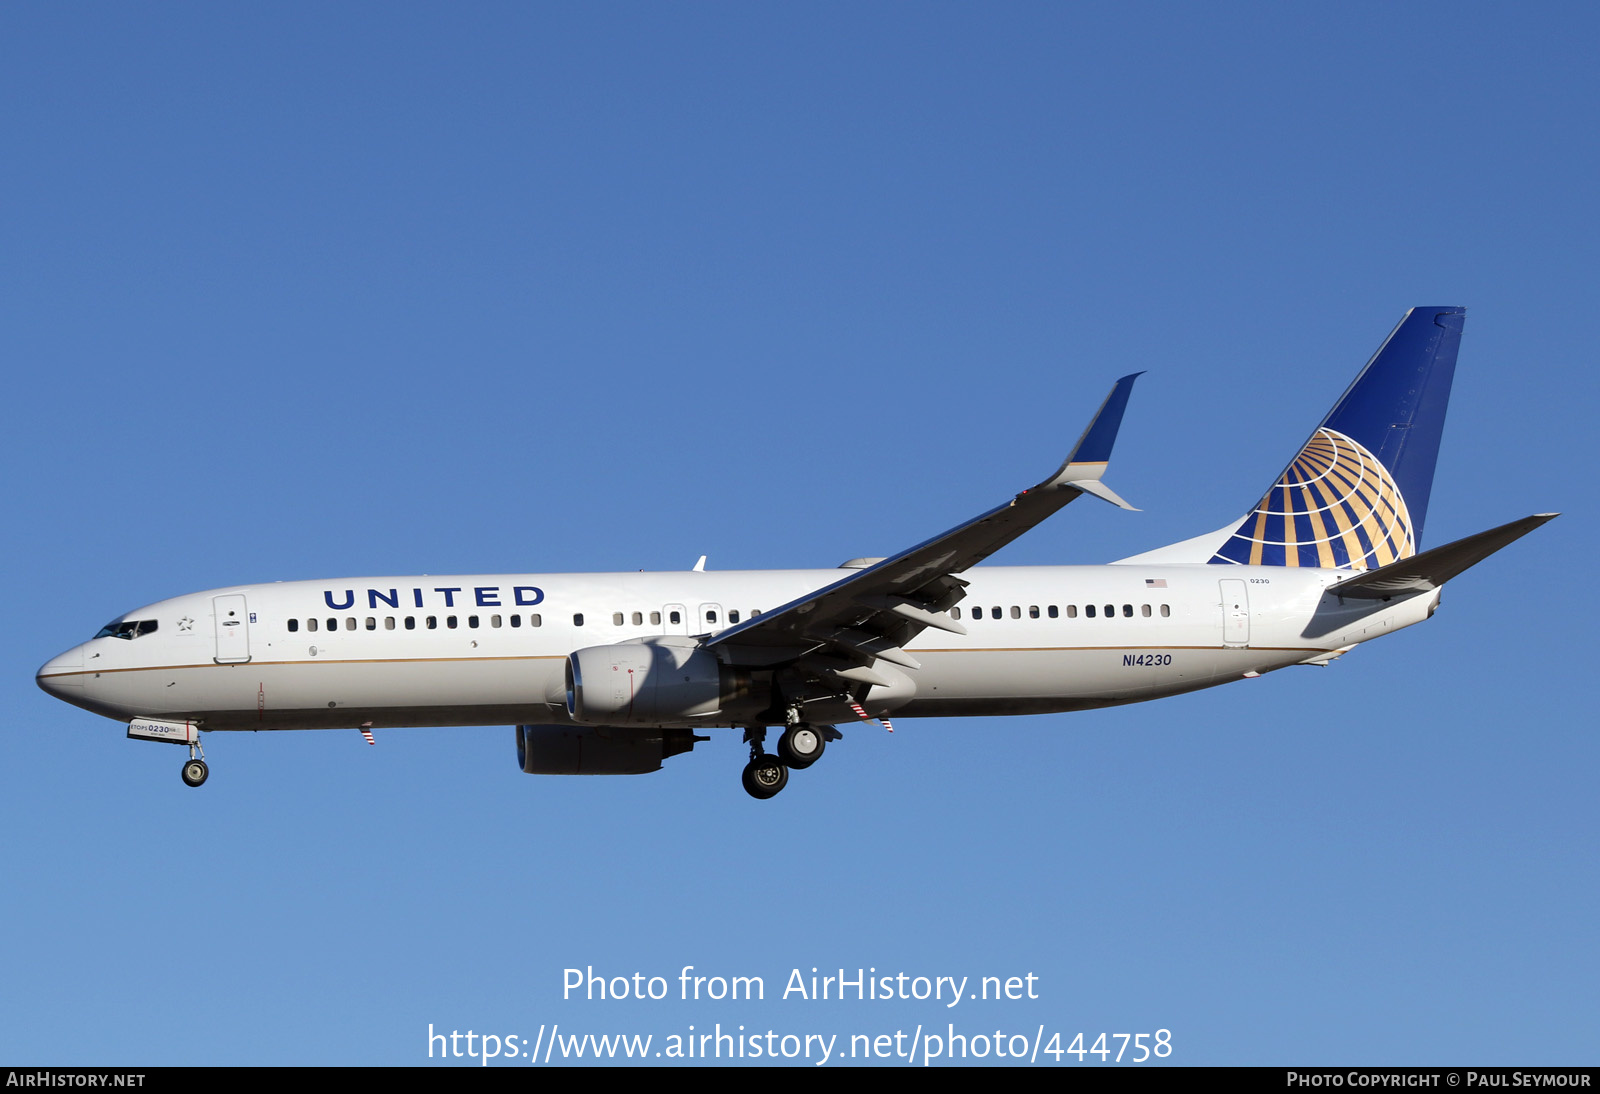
(1335, 506)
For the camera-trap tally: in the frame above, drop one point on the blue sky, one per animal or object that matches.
(299, 291)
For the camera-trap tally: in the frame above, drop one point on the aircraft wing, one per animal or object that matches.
(1430, 569)
(843, 628)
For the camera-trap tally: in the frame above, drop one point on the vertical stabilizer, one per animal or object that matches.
(1356, 494)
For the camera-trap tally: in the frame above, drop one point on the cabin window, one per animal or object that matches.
(349, 622)
(494, 621)
(311, 624)
(1088, 611)
(1165, 611)
(333, 624)
(450, 622)
(655, 619)
(577, 619)
(955, 613)
(638, 619)
(674, 618)
(616, 619)
(733, 616)
(535, 620)
(388, 622)
(516, 621)
(372, 623)
(411, 622)
(1111, 611)
(711, 617)
(294, 625)
(1127, 611)
(472, 621)
(1033, 611)
(1144, 610)
(433, 622)
(1054, 611)
(1016, 612)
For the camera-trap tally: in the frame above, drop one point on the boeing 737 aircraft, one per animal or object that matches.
(610, 674)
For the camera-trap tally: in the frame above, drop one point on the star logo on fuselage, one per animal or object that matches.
(186, 624)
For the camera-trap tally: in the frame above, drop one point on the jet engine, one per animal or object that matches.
(657, 681)
(598, 750)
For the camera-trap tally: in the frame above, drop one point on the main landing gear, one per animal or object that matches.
(764, 776)
(195, 769)
(800, 746)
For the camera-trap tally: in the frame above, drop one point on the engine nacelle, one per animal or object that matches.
(598, 750)
(659, 681)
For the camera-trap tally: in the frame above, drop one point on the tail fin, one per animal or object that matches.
(1356, 494)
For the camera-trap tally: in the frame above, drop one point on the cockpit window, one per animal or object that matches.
(127, 628)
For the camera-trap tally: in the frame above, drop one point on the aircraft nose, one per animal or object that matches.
(63, 675)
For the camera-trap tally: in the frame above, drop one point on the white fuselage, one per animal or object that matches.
(491, 649)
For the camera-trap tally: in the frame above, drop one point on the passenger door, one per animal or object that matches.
(232, 621)
(1235, 612)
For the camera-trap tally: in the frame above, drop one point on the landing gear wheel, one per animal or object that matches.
(195, 772)
(764, 776)
(801, 746)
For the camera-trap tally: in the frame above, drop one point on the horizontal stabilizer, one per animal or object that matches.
(1427, 571)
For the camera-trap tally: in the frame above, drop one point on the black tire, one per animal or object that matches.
(801, 746)
(195, 772)
(764, 776)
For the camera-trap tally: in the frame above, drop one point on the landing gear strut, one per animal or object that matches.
(195, 769)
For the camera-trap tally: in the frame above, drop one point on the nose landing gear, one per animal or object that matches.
(195, 769)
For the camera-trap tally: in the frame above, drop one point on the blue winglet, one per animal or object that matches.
(1089, 457)
(1095, 444)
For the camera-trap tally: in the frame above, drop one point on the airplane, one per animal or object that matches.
(612, 674)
